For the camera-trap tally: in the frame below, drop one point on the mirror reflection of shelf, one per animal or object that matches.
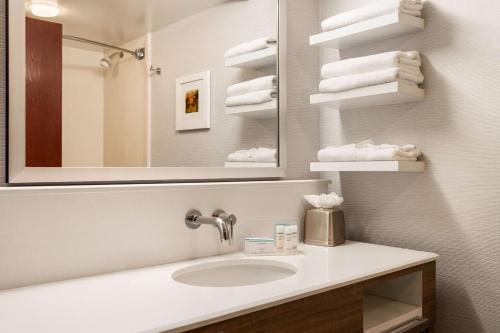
(259, 59)
(368, 31)
(390, 93)
(372, 166)
(251, 165)
(258, 111)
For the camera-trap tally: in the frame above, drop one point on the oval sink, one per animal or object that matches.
(234, 273)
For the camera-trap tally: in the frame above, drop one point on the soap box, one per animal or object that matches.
(259, 246)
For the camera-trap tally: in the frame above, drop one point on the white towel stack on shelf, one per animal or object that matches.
(369, 151)
(250, 47)
(256, 91)
(384, 7)
(371, 70)
(257, 155)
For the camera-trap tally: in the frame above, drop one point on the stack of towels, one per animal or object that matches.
(371, 70)
(257, 91)
(250, 47)
(384, 7)
(369, 151)
(257, 155)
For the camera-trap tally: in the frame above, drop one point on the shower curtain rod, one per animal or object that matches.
(139, 53)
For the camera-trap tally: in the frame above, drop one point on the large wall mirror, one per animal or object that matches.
(146, 90)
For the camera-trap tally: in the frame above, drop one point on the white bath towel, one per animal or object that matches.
(409, 7)
(371, 63)
(257, 97)
(249, 47)
(261, 83)
(262, 155)
(368, 151)
(348, 82)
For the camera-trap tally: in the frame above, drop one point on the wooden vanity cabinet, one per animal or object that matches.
(341, 310)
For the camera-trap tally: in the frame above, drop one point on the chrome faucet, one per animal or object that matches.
(222, 221)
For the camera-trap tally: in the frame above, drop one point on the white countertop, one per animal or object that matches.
(149, 300)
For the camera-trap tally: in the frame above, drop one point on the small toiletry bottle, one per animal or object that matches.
(279, 237)
(291, 239)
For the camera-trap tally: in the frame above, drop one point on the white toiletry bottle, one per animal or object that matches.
(291, 239)
(279, 237)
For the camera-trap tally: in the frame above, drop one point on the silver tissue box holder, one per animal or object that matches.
(324, 227)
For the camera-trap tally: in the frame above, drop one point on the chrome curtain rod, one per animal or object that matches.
(138, 54)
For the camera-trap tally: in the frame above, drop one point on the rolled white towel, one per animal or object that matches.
(371, 63)
(368, 151)
(367, 12)
(249, 47)
(261, 83)
(257, 155)
(257, 97)
(348, 82)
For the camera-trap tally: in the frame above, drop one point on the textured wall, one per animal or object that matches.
(454, 208)
(3, 108)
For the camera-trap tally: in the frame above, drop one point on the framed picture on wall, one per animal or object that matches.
(193, 102)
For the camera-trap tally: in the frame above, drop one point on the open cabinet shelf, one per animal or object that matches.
(266, 110)
(390, 93)
(255, 60)
(368, 31)
(382, 314)
(374, 166)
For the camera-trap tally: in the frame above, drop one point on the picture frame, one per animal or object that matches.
(193, 102)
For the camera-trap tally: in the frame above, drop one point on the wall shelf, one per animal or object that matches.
(373, 166)
(266, 110)
(381, 314)
(382, 94)
(368, 31)
(250, 165)
(260, 59)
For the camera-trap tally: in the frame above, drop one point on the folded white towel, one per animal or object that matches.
(371, 63)
(367, 12)
(257, 97)
(261, 83)
(262, 155)
(348, 82)
(249, 47)
(368, 151)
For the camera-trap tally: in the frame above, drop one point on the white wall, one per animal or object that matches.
(83, 108)
(197, 44)
(453, 208)
(61, 233)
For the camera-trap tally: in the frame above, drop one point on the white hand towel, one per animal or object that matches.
(371, 63)
(367, 12)
(257, 97)
(348, 82)
(249, 47)
(261, 83)
(367, 151)
(262, 155)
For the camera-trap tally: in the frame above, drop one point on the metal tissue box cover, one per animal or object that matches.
(324, 227)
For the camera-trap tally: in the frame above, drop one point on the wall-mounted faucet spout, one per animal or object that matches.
(223, 222)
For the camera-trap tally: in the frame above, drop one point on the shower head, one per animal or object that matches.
(106, 62)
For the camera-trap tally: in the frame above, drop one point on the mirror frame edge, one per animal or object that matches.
(19, 174)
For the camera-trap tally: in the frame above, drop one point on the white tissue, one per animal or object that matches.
(324, 200)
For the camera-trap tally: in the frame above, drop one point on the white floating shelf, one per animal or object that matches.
(250, 165)
(373, 166)
(382, 94)
(382, 314)
(368, 31)
(266, 110)
(259, 59)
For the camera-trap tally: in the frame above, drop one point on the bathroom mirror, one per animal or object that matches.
(146, 90)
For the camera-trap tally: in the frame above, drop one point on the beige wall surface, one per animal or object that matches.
(452, 209)
(125, 110)
(3, 94)
(83, 108)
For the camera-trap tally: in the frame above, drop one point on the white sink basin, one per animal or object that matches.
(234, 273)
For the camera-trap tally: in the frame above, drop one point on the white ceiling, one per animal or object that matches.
(118, 21)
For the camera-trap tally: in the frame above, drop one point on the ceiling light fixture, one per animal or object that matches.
(44, 8)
